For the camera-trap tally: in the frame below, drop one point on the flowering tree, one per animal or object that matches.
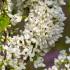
(42, 25)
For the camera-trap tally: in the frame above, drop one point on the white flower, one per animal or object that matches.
(56, 61)
(3, 67)
(68, 57)
(62, 2)
(54, 68)
(63, 52)
(49, 2)
(69, 49)
(26, 50)
(62, 62)
(15, 19)
(39, 63)
(67, 40)
(67, 65)
(22, 66)
(33, 40)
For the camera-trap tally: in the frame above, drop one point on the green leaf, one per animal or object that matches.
(1, 64)
(1, 48)
(68, 5)
(4, 22)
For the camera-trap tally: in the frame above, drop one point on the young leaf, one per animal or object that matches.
(4, 22)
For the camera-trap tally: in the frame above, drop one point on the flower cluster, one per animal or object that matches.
(43, 27)
(45, 23)
(63, 61)
(17, 51)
